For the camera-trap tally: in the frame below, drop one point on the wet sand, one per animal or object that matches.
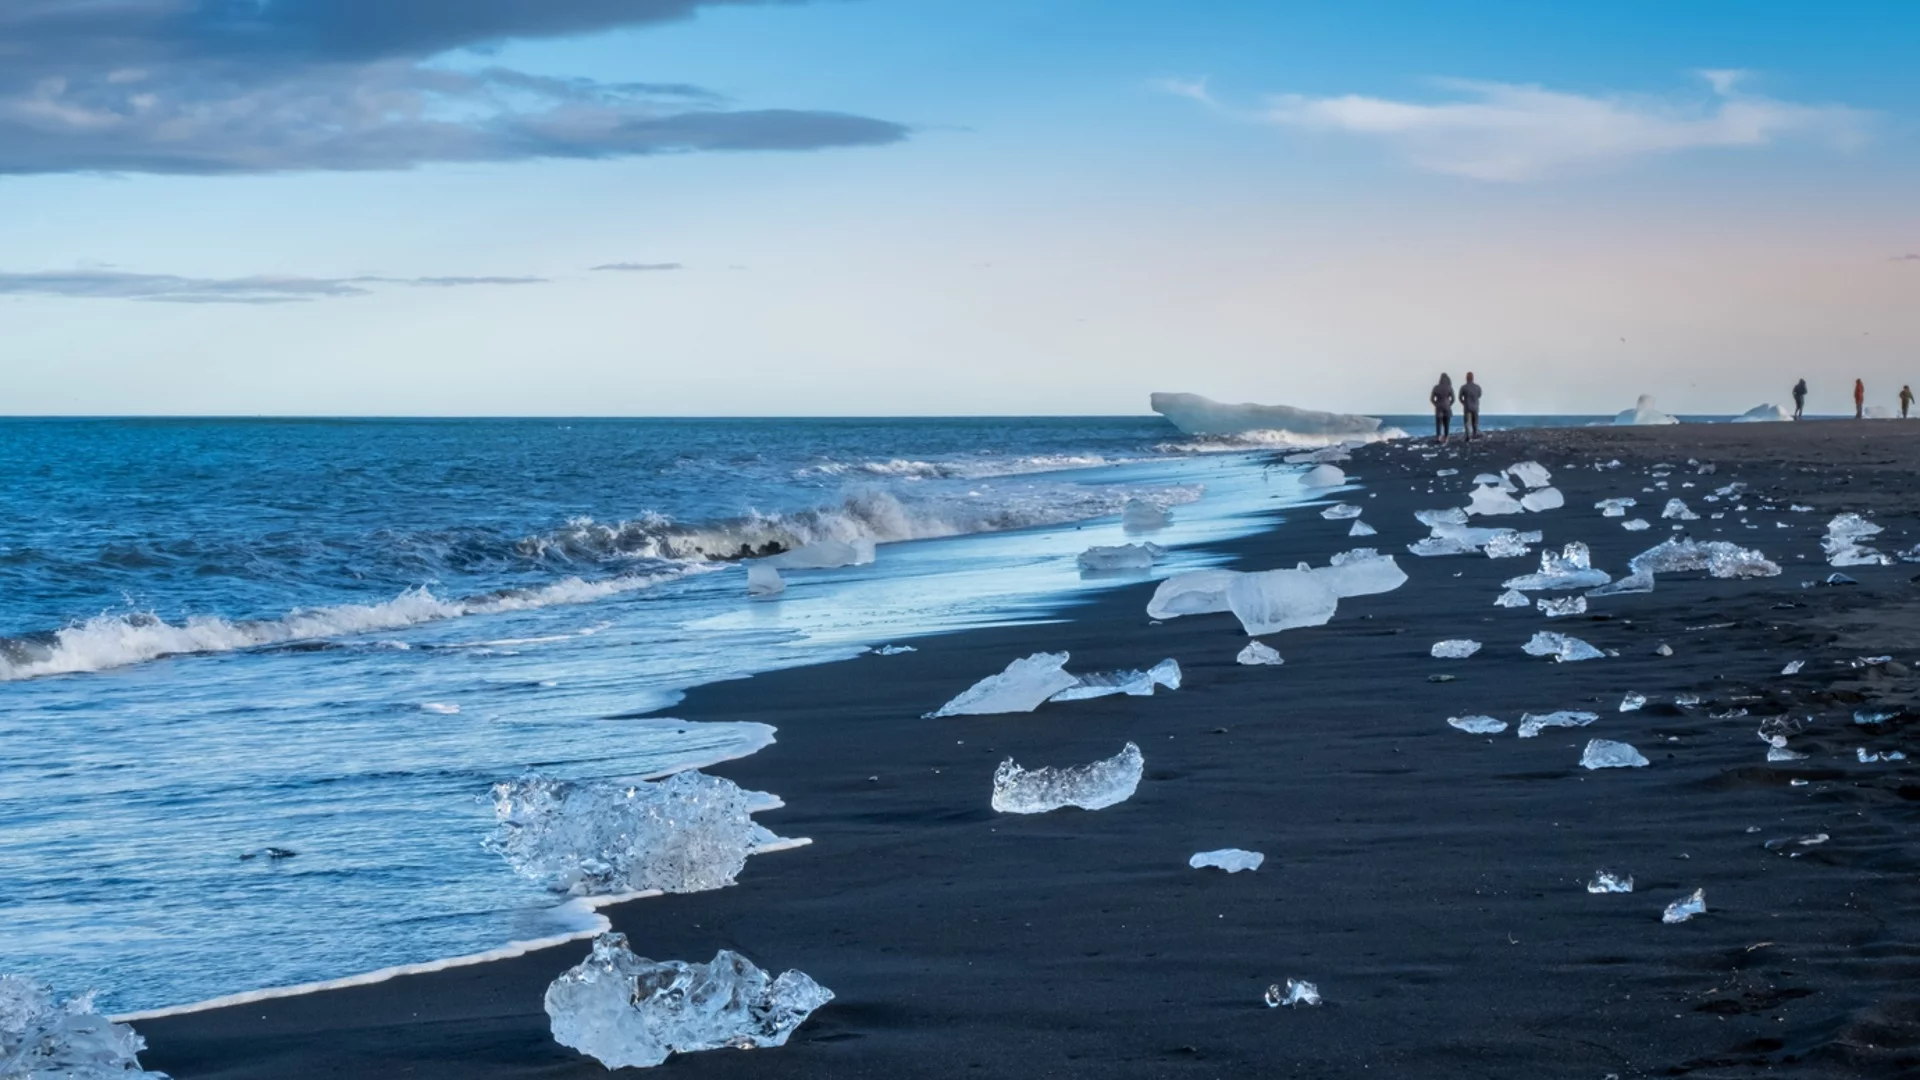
(1429, 881)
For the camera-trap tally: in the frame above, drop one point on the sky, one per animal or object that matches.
(938, 207)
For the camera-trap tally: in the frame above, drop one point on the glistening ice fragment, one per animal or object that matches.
(1093, 786)
(45, 1038)
(1020, 688)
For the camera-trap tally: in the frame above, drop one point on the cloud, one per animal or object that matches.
(239, 86)
(635, 266)
(1195, 89)
(1510, 132)
(94, 284)
(1909, 257)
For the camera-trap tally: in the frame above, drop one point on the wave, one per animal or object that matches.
(119, 640)
(973, 469)
(1273, 439)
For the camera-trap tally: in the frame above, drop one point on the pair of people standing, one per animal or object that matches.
(1442, 397)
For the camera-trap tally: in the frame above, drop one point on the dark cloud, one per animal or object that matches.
(256, 289)
(635, 267)
(234, 86)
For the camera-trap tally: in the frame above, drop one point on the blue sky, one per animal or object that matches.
(924, 206)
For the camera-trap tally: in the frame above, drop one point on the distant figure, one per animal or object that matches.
(1906, 400)
(1441, 396)
(1859, 400)
(1799, 398)
(1470, 407)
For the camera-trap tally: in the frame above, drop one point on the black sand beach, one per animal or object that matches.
(1429, 881)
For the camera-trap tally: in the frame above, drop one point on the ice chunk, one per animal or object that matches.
(1020, 688)
(688, 833)
(1139, 515)
(1614, 507)
(1718, 558)
(1091, 787)
(894, 650)
(1781, 753)
(1196, 415)
(1491, 501)
(764, 580)
(1452, 515)
(1232, 860)
(1686, 907)
(1642, 413)
(1361, 572)
(1636, 525)
(1543, 499)
(1323, 476)
(1135, 683)
(1793, 667)
(1606, 881)
(1361, 528)
(1297, 992)
(1336, 452)
(627, 1011)
(1478, 725)
(1531, 725)
(1677, 511)
(1506, 546)
(1274, 600)
(1566, 605)
(1259, 653)
(1491, 478)
(1340, 512)
(1512, 598)
(1867, 756)
(1640, 581)
(1870, 717)
(1759, 414)
(1572, 568)
(827, 555)
(1633, 702)
(1842, 542)
(1446, 472)
(1607, 754)
(1198, 592)
(1561, 647)
(45, 1038)
(1530, 473)
(1100, 559)
(1454, 649)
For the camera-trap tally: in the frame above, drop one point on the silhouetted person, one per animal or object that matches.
(1859, 400)
(1441, 397)
(1906, 400)
(1470, 407)
(1799, 398)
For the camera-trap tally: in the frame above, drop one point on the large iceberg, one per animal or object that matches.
(1762, 414)
(1094, 786)
(1025, 683)
(1197, 415)
(627, 1011)
(1274, 600)
(688, 833)
(45, 1038)
(1361, 572)
(1198, 592)
(1643, 413)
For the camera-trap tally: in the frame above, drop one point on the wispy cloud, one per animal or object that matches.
(1195, 89)
(1908, 257)
(196, 86)
(638, 266)
(91, 284)
(1513, 132)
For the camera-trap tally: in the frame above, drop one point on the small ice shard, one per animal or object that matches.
(1273, 600)
(1258, 653)
(1842, 542)
(1718, 558)
(1840, 579)
(1340, 512)
(827, 555)
(1490, 478)
(1874, 716)
(1640, 581)
(687, 833)
(1133, 683)
(1139, 515)
(1430, 546)
(1094, 786)
(1686, 700)
(1232, 860)
(1781, 753)
(1531, 725)
(1614, 507)
(1866, 756)
(1361, 572)
(764, 580)
(1686, 908)
(443, 708)
(1512, 598)
(1606, 881)
(1506, 546)
(1020, 688)
(1566, 605)
(627, 1011)
(1543, 499)
(1633, 702)
(1643, 413)
(1198, 592)
(1635, 525)
(1297, 992)
(1478, 725)
(1491, 501)
(1677, 511)
(1572, 568)
(1530, 473)
(1446, 472)
(1663, 649)
(894, 650)
(1454, 649)
(1361, 528)
(45, 1038)
(1107, 558)
(1452, 515)
(1607, 754)
(1793, 667)
(1323, 476)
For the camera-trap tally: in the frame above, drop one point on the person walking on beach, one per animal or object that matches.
(1441, 397)
(1906, 399)
(1859, 400)
(1799, 398)
(1470, 407)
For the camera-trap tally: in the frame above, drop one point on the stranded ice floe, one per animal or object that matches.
(1269, 601)
(1571, 568)
(1232, 860)
(1197, 592)
(1094, 786)
(45, 1038)
(1607, 754)
(1686, 907)
(1020, 688)
(1478, 725)
(627, 1011)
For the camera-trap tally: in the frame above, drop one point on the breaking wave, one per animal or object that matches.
(982, 469)
(1272, 439)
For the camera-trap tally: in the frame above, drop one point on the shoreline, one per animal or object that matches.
(1079, 943)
